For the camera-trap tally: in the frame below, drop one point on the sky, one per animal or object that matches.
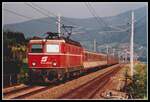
(66, 9)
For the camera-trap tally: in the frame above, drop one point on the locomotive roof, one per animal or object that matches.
(71, 42)
(61, 39)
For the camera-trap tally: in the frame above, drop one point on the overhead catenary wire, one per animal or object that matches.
(44, 9)
(96, 15)
(45, 14)
(92, 11)
(93, 14)
(103, 21)
(115, 31)
(21, 15)
(55, 15)
(57, 21)
(40, 11)
(138, 20)
(28, 17)
(99, 19)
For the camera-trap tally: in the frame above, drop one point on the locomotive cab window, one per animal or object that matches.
(36, 48)
(52, 48)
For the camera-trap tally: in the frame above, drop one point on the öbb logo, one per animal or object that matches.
(44, 59)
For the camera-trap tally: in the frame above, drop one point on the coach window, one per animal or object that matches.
(36, 48)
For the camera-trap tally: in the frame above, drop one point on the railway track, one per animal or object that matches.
(24, 92)
(90, 88)
(11, 89)
(21, 92)
(13, 85)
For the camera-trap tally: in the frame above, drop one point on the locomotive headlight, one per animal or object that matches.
(54, 63)
(33, 63)
(44, 40)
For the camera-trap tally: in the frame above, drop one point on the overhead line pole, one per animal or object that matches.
(58, 25)
(132, 42)
(94, 45)
(113, 51)
(107, 51)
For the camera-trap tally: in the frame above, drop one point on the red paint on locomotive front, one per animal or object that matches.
(69, 56)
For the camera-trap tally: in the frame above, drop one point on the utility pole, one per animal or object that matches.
(126, 56)
(113, 51)
(119, 56)
(94, 45)
(58, 25)
(107, 51)
(131, 46)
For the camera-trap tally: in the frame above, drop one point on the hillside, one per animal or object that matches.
(91, 30)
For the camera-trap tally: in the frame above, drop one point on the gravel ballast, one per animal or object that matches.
(59, 90)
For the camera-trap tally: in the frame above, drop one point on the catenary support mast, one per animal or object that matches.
(132, 42)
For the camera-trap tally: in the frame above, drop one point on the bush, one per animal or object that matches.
(138, 88)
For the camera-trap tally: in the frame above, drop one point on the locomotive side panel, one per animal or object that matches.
(73, 56)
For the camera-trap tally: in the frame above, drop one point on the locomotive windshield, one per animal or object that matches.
(36, 48)
(52, 48)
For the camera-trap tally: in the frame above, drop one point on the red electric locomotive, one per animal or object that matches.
(56, 58)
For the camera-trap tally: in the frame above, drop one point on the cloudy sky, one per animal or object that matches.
(66, 9)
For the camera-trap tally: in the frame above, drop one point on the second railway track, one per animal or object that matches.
(90, 88)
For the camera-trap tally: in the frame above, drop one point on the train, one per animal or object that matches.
(57, 58)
